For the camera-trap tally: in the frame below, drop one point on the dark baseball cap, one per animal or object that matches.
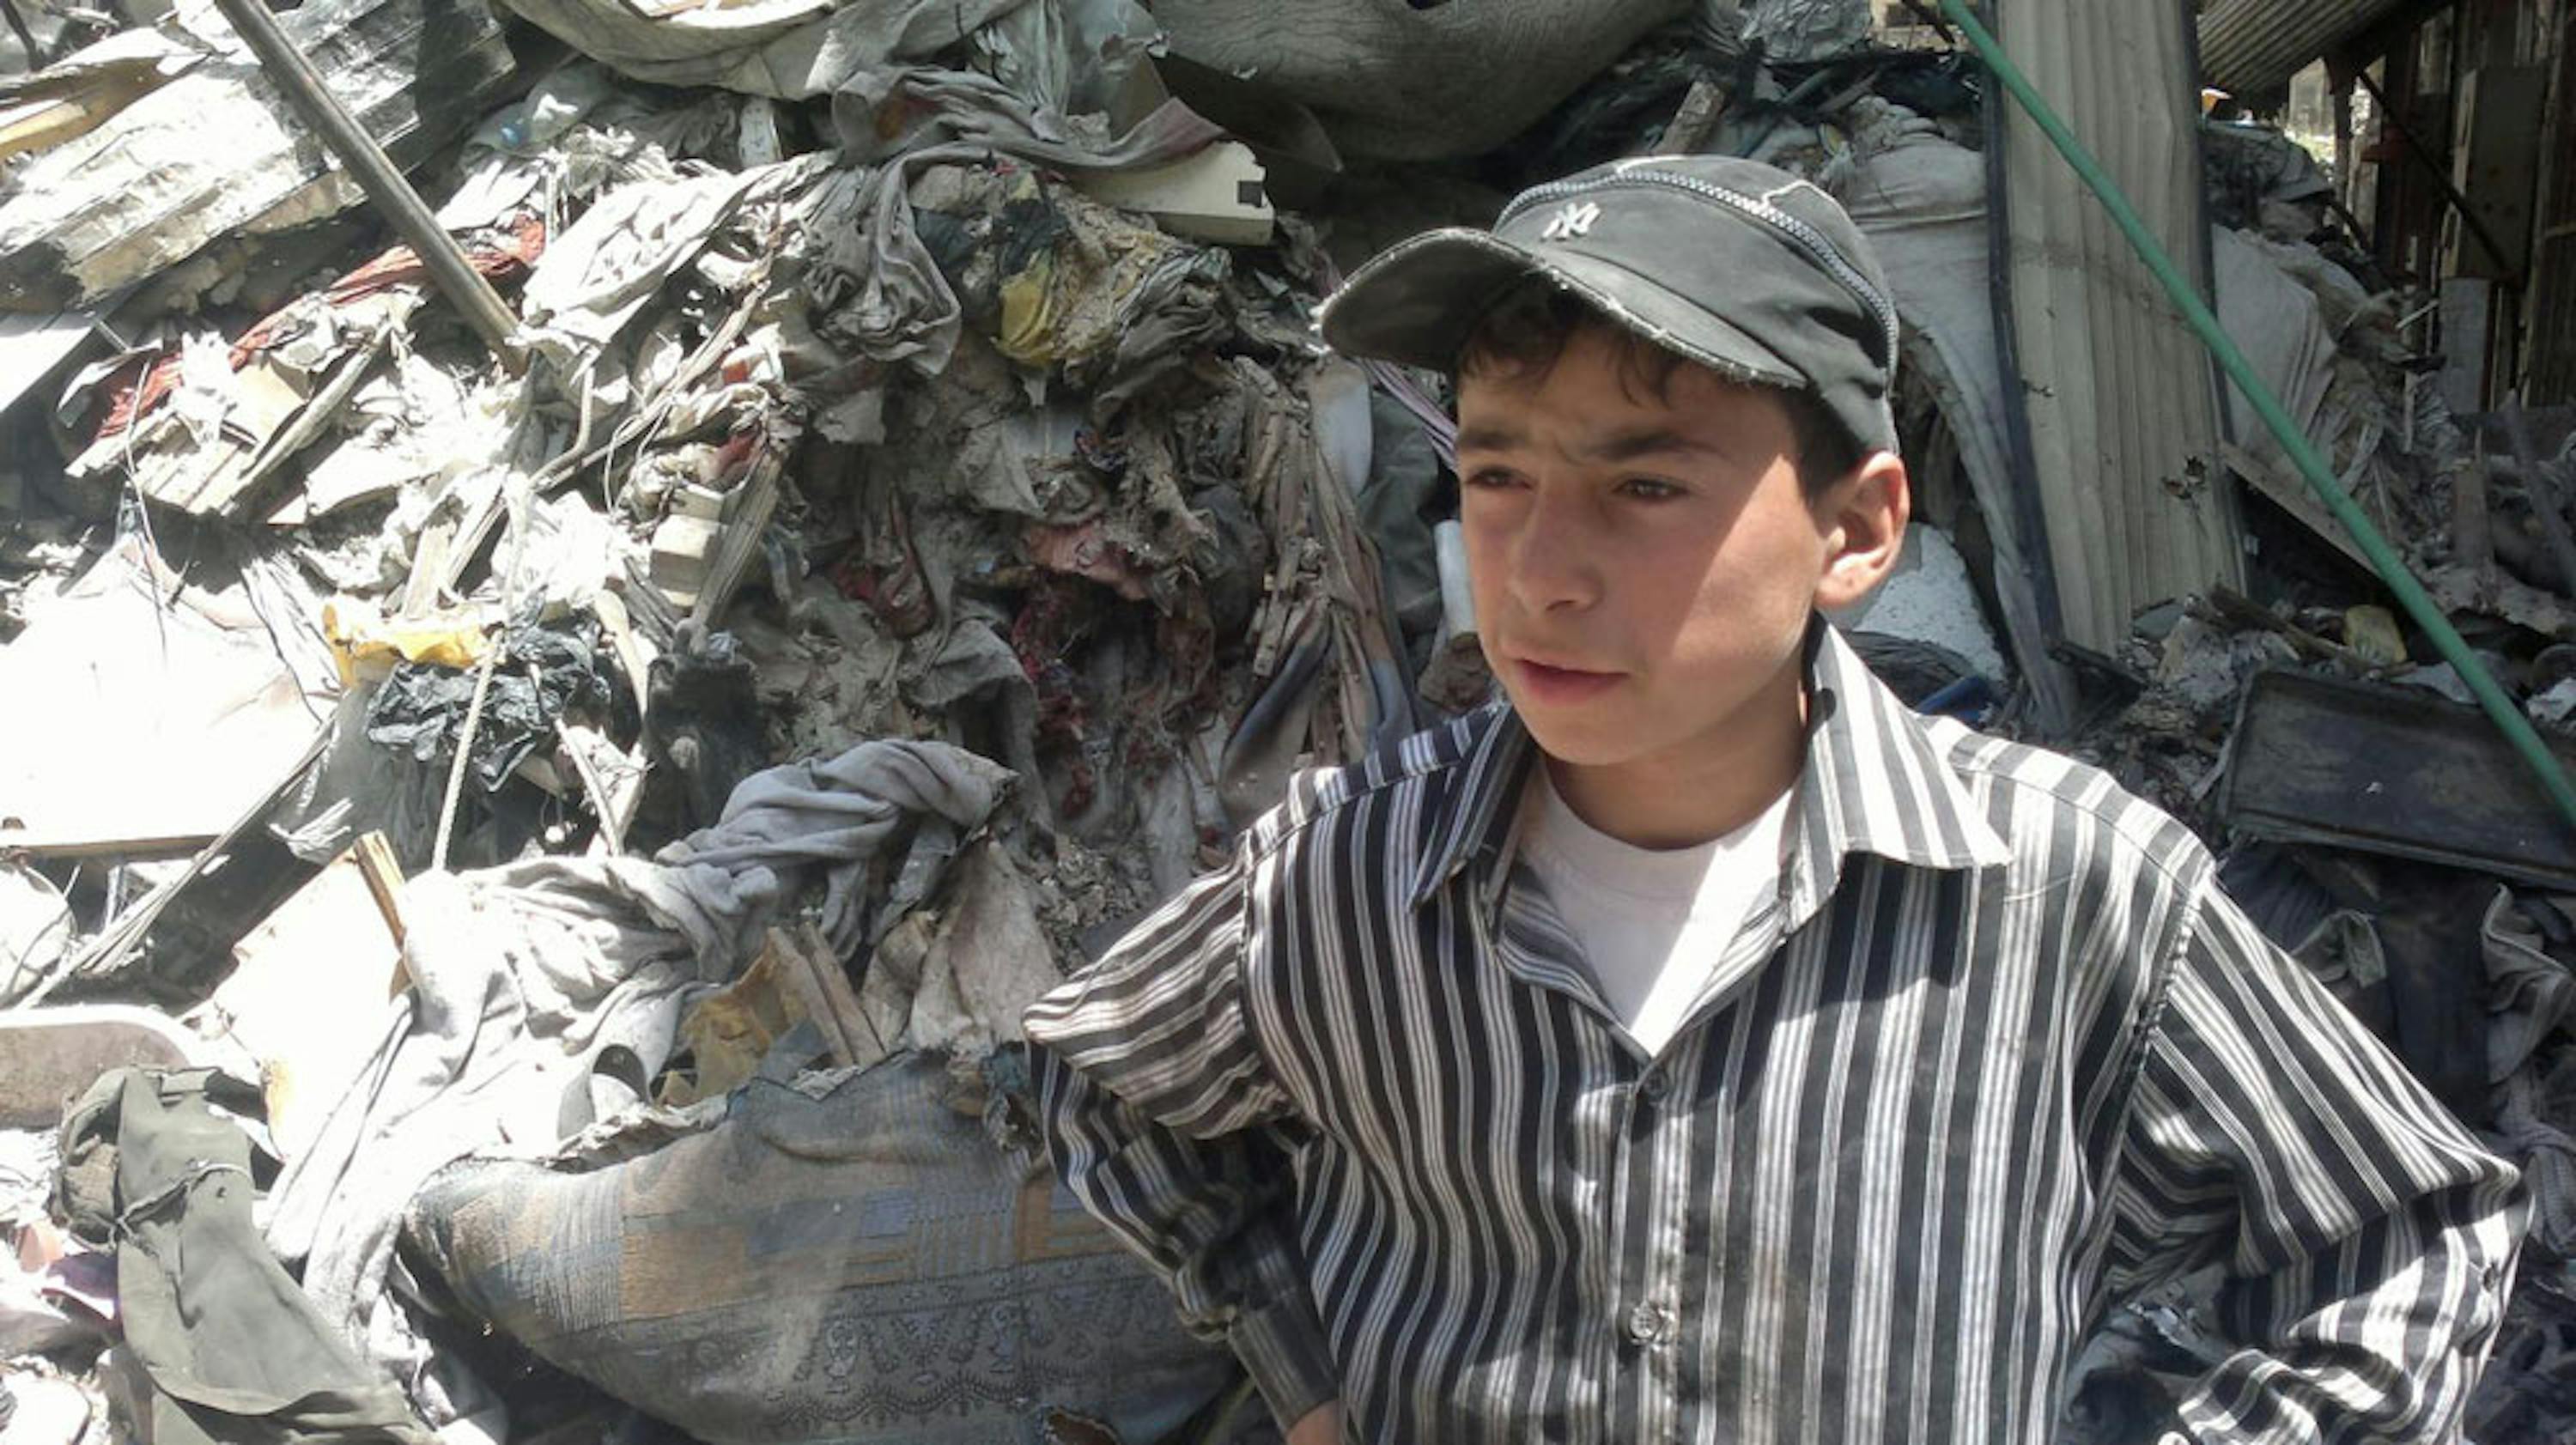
(1741, 267)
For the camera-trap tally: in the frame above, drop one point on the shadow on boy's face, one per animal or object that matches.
(1644, 558)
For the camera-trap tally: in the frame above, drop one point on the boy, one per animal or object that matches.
(1702, 1046)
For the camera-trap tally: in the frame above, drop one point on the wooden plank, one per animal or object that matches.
(2294, 497)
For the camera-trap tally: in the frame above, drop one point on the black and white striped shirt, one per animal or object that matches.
(2006, 1056)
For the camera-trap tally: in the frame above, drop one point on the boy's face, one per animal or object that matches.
(1644, 566)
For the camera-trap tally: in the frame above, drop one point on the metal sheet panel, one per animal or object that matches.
(2123, 400)
(2253, 47)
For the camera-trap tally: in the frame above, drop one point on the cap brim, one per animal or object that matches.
(1417, 303)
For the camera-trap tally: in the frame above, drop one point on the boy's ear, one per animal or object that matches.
(1865, 514)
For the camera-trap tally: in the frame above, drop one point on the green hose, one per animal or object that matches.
(2410, 593)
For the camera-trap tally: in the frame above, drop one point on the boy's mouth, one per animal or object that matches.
(1547, 683)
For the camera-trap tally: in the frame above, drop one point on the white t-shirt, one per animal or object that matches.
(1651, 922)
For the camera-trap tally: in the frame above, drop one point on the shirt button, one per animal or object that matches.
(1648, 1323)
(1654, 1086)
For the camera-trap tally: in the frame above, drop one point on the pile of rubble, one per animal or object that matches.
(520, 866)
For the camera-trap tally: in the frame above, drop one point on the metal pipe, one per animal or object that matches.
(2302, 453)
(375, 173)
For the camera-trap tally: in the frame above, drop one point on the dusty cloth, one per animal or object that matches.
(1806, 30)
(2529, 1393)
(234, 1351)
(1063, 283)
(887, 297)
(850, 1261)
(2529, 995)
(525, 976)
(2527, 1107)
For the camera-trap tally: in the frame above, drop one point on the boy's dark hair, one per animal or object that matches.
(1524, 333)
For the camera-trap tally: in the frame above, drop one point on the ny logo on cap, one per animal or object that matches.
(1573, 221)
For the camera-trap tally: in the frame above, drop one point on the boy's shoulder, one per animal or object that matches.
(1423, 775)
(2035, 797)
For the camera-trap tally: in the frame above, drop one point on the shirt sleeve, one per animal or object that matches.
(2369, 1240)
(1160, 1113)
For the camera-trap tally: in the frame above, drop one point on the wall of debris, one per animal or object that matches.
(518, 875)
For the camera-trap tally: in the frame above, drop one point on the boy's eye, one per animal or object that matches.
(1489, 478)
(1647, 489)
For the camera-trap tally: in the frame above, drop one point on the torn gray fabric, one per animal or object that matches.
(2528, 992)
(2525, 1106)
(523, 975)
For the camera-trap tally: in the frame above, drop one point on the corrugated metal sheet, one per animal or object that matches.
(2123, 400)
(2253, 47)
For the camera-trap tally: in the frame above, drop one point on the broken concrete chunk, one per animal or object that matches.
(145, 191)
(681, 547)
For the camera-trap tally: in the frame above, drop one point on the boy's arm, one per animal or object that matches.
(2369, 1239)
(1158, 1107)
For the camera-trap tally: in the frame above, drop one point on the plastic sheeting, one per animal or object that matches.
(2277, 322)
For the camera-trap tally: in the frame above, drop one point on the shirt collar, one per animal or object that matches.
(1876, 780)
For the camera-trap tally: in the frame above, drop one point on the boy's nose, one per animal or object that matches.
(1554, 564)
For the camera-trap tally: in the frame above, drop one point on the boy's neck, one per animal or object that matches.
(1707, 788)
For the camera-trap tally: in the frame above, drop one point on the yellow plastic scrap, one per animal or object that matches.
(1066, 304)
(2372, 632)
(365, 644)
(1029, 322)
